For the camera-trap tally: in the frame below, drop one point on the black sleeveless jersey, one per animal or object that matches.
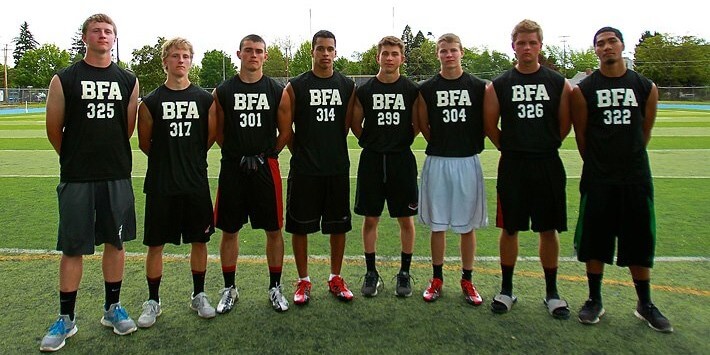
(616, 148)
(529, 108)
(455, 109)
(177, 162)
(387, 108)
(320, 142)
(95, 145)
(250, 117)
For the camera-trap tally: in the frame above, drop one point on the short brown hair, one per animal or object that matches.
(390, 41)
(253, 38)
(98, 18)
(526, 26)
(449, 38)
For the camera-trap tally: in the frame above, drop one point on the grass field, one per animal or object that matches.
(679, 153)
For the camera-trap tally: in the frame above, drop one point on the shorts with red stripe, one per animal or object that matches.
(255, 196)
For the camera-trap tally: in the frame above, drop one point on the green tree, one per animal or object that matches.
(583, 60)
(368, 62)
(485, 64)
(78, 47)
(24, 42)
(407, 38)
(422, 61)
(418, 40)
(37, 66)
(673, 61)
(194, 74)
(275, 65)
(217, 66)
(147, 64)
(302, 59)
(347, 67)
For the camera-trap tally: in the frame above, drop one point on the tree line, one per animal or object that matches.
(667, 60)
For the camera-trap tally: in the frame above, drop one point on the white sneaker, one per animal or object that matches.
(151, 311)
(278, 301)
(202, 306)
(229, 295)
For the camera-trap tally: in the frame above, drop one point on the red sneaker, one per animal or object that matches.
(433, 292)
(303, 292)
(470, 293)
(339, 289)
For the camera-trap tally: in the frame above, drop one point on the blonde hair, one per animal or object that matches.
(177, 42)
(526, 26)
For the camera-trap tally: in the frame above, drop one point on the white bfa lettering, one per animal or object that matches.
(180, 109)
(388, 102)
(325, 97)
(616, 97)
(100, 90)
(251, 101)
(453, 98)
(530, 92)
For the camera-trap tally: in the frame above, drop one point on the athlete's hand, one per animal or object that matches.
(251, 163)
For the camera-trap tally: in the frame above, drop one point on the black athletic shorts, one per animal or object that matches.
(387, 176)
(95, 213)
(169, 217)
(318, 203)
(531, 188)
(255, 196)
(608, 212)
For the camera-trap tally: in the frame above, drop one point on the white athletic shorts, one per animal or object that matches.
(452, 194)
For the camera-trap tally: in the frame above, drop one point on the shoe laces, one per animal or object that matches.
(58, 327)
(469, 288)
(402, 278)
(337, 284)
(120, 314)
(302, 286)
(151, 307)
(371, 279)
(276, 292)
(434, 285)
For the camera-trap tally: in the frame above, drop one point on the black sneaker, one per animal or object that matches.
(653, 317)
(591, 312)
(372, 284)
(404, 284)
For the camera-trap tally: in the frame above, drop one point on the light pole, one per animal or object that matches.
(223, 68)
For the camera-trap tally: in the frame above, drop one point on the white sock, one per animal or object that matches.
(307, 278)
(332, 276)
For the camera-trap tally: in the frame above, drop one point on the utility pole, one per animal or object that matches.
(564, 54)
(6, 97)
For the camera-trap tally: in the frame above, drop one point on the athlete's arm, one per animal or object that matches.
(563, 115)
(284, 121)
(491, 115)
(132, 110)
(579, 119)
(219, 119)
(212, 124)
(415, 121)
(358, 115)
(145, 128)
(423, 117)
(55, 114)
(349, 113)
(292, 100)
(650, 119)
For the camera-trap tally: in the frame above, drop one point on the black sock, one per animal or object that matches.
(113, 293)
(198, 282)
(438, 271)
(370, 261)
(406, 261)
(467, 274)
(67, 303)
(595, 286)
(275, 276)
(506, 286)
(154, 288)
(551, 283)
(643, 291)
(229, 274)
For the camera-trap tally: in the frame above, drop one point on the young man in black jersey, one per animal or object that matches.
(251, 109)
(532, 103)
(382, 121)
(452, 192)
(91, 114)
(319, 182)
(613, 111)
(176, 127)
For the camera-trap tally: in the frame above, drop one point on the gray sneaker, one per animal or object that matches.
(591, 312)
(653, 317)
(228, 296)
(58, 332)
(151, 311)
(202, 306)
(404, 284)
(117, 318)
(278, 301)
(372, 284)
